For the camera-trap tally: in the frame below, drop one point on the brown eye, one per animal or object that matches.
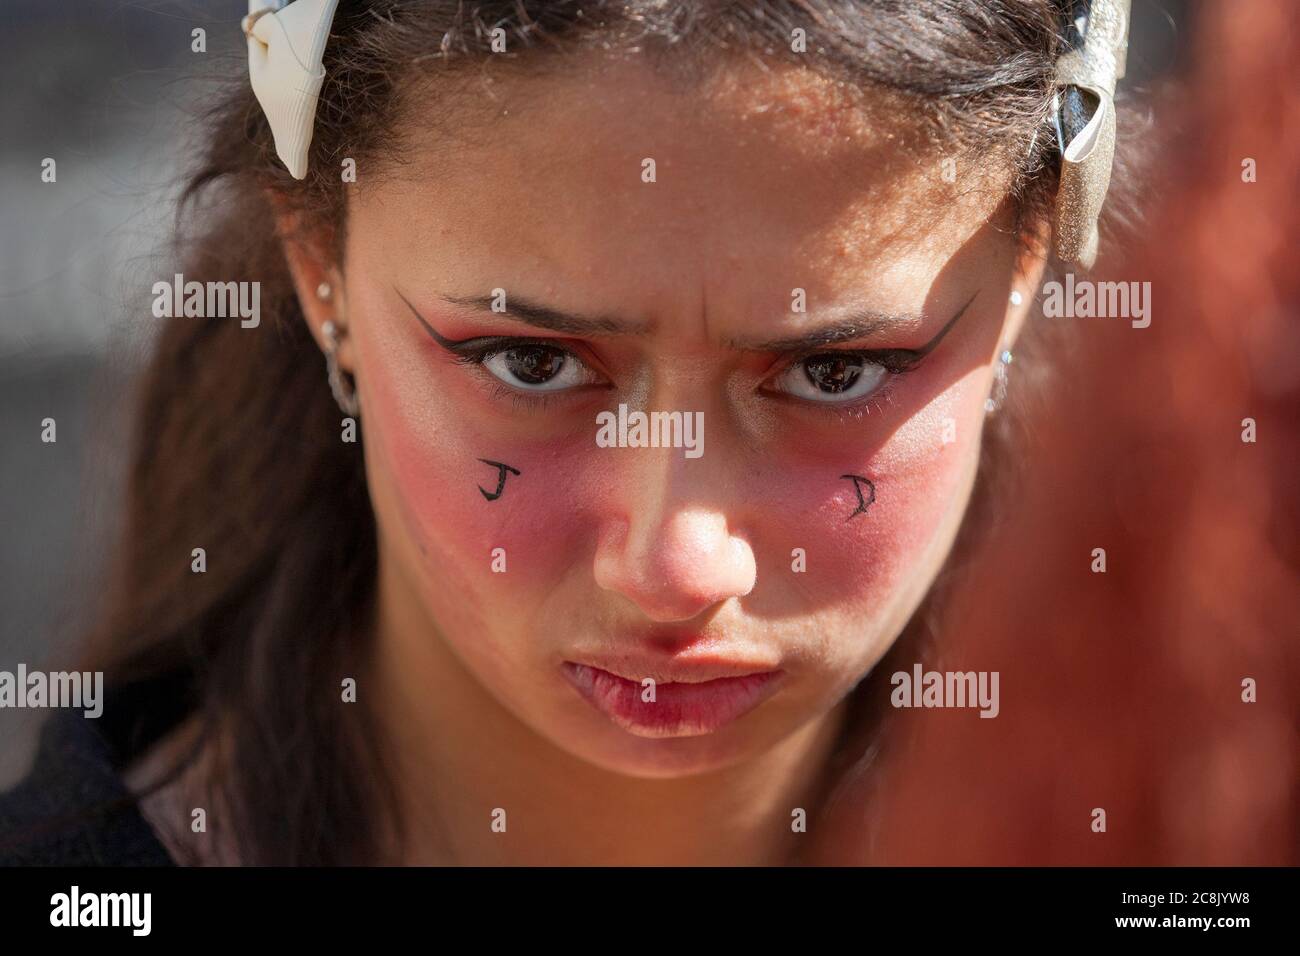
(833, 373)
(538, 367)
(534, 364)
(831, 377)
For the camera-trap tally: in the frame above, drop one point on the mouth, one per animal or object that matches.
(657, 705)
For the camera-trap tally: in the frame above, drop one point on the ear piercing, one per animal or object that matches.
(999, 395)
(344, 394)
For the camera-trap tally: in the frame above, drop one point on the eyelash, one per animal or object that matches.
(856, 411)
(526, 400)
(897, 362)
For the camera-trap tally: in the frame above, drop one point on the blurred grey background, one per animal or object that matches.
(105, 89)
(108, 90)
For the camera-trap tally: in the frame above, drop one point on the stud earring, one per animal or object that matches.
(999, 394)
(323, 291)
(345, 395)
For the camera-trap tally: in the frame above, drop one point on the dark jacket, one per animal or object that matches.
(73, 808)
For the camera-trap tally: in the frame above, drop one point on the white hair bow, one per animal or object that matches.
(1086, 160)
(285, 46)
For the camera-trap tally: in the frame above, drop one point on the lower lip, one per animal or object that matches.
(678, 710)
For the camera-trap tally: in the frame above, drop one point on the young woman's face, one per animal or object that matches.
(759, 257)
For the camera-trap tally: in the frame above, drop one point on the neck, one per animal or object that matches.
(458, 759)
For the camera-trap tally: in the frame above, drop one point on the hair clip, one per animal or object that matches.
(1083, 111)
(286, 44)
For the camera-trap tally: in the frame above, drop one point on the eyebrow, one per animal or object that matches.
(540, 316)
(860, 324)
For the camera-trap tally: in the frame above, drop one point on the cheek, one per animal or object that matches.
(424, 453)
(920, 471)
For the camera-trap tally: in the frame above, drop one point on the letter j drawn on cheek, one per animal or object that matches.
(863, 503)
(502, 468)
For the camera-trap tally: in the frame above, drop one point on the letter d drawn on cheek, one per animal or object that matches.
(863, 503)
(502, 468)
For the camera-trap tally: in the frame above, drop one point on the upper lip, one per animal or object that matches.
(678, 671)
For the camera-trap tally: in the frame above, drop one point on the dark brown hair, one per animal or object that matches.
(237, 448)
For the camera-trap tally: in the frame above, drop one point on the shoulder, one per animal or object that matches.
(73, 808)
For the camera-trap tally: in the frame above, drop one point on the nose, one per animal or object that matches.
(674, 564)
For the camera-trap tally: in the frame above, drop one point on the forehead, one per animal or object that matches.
(609, 176)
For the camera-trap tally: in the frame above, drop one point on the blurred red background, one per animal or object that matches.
(1123, 690)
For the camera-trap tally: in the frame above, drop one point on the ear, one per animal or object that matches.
(316, 279)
